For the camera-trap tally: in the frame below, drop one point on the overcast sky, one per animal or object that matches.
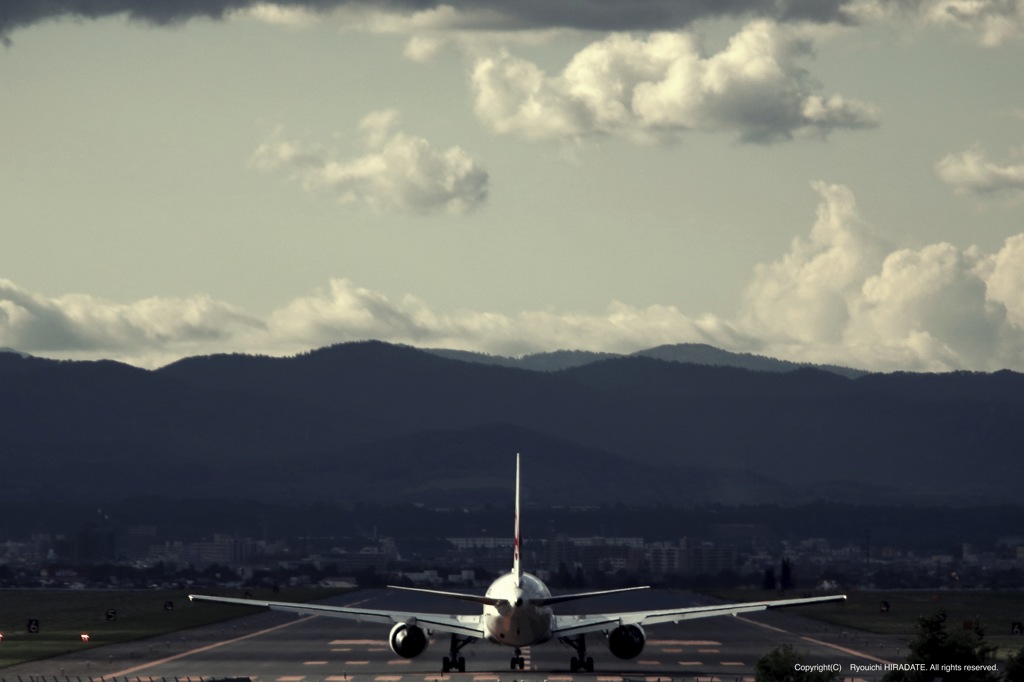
(814, 180)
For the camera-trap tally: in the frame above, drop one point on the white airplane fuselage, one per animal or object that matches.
(518, 622)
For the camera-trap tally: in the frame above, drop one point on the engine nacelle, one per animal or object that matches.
(408, 641)
(626, 641)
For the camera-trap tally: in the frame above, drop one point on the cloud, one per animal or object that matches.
(279, 14)
(1003, 274)
(970, 172)
(995, 21)
(79, 325)
(398, 172)
(603, 15)
(808, 295)
(155, 331)
(346, 312)
(658, 87)
(839, 295)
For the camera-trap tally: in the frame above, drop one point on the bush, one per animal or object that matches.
(780, 665)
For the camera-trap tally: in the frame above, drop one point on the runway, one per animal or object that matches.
(277, 647)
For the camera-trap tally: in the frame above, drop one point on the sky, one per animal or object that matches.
(814, 180)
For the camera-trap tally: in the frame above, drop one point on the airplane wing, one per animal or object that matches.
(570, 626)
(465, 625)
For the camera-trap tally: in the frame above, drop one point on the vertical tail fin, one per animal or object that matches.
(517, 568)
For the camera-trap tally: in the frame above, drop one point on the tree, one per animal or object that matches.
(786, 581)
(780, 665)
(953, 653)
(1014, 669)
(768, 578)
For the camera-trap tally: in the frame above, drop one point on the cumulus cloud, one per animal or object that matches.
(841, 296)
(79, 325)
(156, 331)
(657, 87)
(398, 172)
(807, 296)
(996, 21)
(970, 172)
(344, 312)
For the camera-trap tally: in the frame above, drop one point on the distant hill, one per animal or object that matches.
(692, 353)
(377, 422)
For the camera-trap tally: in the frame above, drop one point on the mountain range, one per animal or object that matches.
(370, 421)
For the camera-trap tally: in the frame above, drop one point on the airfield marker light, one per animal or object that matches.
(85, 637)
(1, 636)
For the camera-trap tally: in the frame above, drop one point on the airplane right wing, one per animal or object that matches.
(465, 625)
(570, 626)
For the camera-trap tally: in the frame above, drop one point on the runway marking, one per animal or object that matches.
(357, 663)
(845, 650)
(485, 678)
(342, 650)
(683, 642)
(616, 678)
(399, 661)
(388, 678)
(738, 663)
(672, 651)
(648, 662)
(355, 642)
(337, 678)
(763, 625)
(709, 651)
(314, 663)
(290, 678)
(560, 678)
(691, 663)
(208, 647)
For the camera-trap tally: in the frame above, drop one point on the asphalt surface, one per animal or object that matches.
(278, 647)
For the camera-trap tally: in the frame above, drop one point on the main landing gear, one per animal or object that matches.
(517, 660)
(453, 661)
(580, 662)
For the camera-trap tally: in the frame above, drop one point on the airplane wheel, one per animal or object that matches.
(462, 664)
(446, 664)
(589, 665)
(512, 663)
(574, 664)
(522, 663)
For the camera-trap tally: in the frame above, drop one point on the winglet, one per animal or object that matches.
(517, 569)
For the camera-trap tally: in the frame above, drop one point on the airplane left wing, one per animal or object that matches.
(570, 626)
(465, 625)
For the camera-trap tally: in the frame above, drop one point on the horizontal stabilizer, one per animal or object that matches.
(475, 598)
(557, 599)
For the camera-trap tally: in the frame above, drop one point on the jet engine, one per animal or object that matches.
(408, 641)
(626, 641)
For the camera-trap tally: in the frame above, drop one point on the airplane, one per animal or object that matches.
(516, 612)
